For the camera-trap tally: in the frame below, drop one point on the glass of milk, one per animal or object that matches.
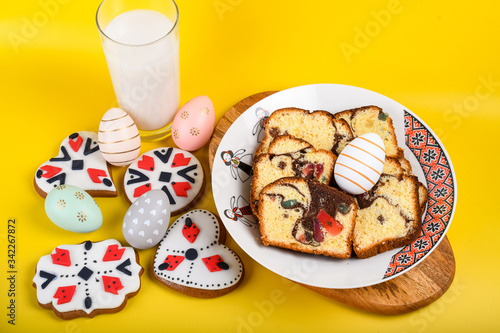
(140, 39)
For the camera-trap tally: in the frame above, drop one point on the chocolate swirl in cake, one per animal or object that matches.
(307, 229)
(365, 200)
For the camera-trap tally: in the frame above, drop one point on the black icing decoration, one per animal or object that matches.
(88, 150)
(164, 157)
(85, 273)
(77, 165)
(170, 197)
(189, 222)
(60, 177)
(39, 174)
(163, 266)
(165, 177)
(123, 267)
(191, 254)
(183, 173)
(88, 302)
(64, 158)
(222, 265)
(107, 182)
(142, 177)
(48, 276)
(88, 245)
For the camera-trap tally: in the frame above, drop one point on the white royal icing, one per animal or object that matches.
(86, 273)
(194, 273)
(181, 182)
(81, 164)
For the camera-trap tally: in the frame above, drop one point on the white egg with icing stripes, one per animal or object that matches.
(360, 164)
(193, 124)
(147, 220)
(73, 209)
(118, 137)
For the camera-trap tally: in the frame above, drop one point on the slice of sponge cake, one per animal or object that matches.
(319, 128)
(389, 215)
(307, 216)
(371, 119)
(288, 157)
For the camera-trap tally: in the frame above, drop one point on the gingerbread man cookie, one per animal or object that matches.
(87, 279)
(191, 259)
(176, 172)
(79, 163)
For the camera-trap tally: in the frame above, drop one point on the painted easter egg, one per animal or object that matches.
(147, 220)
(360, 164)
(118, 137)
(194, 123)
(73, 209)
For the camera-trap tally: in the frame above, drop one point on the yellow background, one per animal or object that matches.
(434, 57)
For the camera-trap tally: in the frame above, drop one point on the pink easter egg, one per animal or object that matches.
(193, 124)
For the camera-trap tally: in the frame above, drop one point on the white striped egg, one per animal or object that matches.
(118, 137)
(360, 164)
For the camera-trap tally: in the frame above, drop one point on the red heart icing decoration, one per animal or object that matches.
(75, 145)
(181, 188)
(64, 294)
(214, 263)
(50, 171)
(190, 231)
(172, 262)
(180, 160)
(113, 252)
(61, 257)
(95, 174)
(147, 163)
(141, 190)
(112, 284)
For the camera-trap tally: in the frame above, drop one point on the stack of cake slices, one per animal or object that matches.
(299, 206)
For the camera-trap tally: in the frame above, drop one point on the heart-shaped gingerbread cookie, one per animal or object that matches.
(192, 260)
(79, 163)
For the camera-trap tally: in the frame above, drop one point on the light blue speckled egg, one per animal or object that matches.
(73, 209)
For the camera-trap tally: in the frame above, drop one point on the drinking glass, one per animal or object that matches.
(140, 40)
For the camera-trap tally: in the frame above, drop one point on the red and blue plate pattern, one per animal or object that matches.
(441, 184)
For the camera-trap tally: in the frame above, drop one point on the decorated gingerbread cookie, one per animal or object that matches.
(176, 172)
(79, 163)
(87, 279)
(192, 260)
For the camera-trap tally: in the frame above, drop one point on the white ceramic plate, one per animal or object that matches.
(231, 178)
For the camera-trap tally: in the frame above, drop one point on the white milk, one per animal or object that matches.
(144, 66)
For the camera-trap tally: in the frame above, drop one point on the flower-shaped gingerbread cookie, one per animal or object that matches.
(176, 172)
(79, 163)
(191, 259)
(86, 279)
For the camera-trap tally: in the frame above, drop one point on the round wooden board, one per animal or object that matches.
(411, 291)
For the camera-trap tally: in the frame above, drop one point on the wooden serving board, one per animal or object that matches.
(411, 291)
